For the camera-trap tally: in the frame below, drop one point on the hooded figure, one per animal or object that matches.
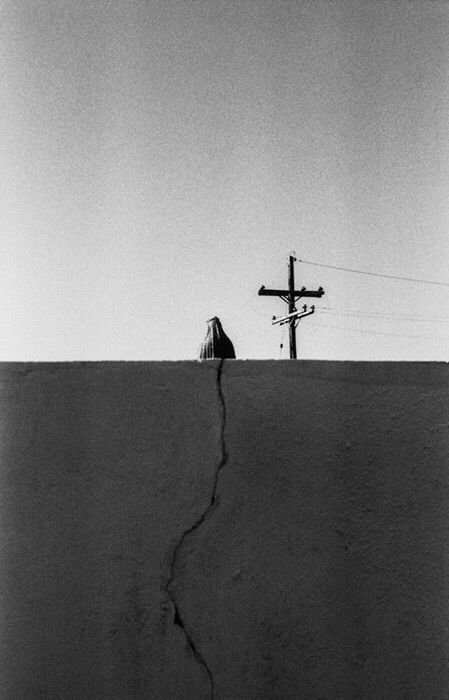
(216, 344)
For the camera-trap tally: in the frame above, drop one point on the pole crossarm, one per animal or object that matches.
(292, 317)
(298, 293)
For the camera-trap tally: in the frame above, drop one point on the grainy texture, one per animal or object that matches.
(104, 466)
(237, 530)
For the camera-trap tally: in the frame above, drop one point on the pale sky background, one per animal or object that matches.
(160, 160)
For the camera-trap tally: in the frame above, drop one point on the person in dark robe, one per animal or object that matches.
(216, 344)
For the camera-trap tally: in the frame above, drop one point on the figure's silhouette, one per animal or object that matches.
(216, 344)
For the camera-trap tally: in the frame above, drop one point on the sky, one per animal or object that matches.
(160, 161)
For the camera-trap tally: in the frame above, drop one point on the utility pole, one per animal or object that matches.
(291, 306)
(291, 296)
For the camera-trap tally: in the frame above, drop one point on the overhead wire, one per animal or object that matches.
(358, 313)
(371, 332)
(374, 274)
(382, 316)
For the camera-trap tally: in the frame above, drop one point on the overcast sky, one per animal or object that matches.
(160, 161)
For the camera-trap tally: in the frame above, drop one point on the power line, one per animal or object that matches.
(375, 274)
(360, 330)
(380, 313)
(411, 318)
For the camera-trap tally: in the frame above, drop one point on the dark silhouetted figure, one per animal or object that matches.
(216, 344)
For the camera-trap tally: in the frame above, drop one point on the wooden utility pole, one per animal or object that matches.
(291, 306)
(291, 296)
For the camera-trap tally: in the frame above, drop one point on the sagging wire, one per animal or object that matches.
(370, 332)
(375, 274)
(379, 315)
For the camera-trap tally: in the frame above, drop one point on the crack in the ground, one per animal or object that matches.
(177, 616)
